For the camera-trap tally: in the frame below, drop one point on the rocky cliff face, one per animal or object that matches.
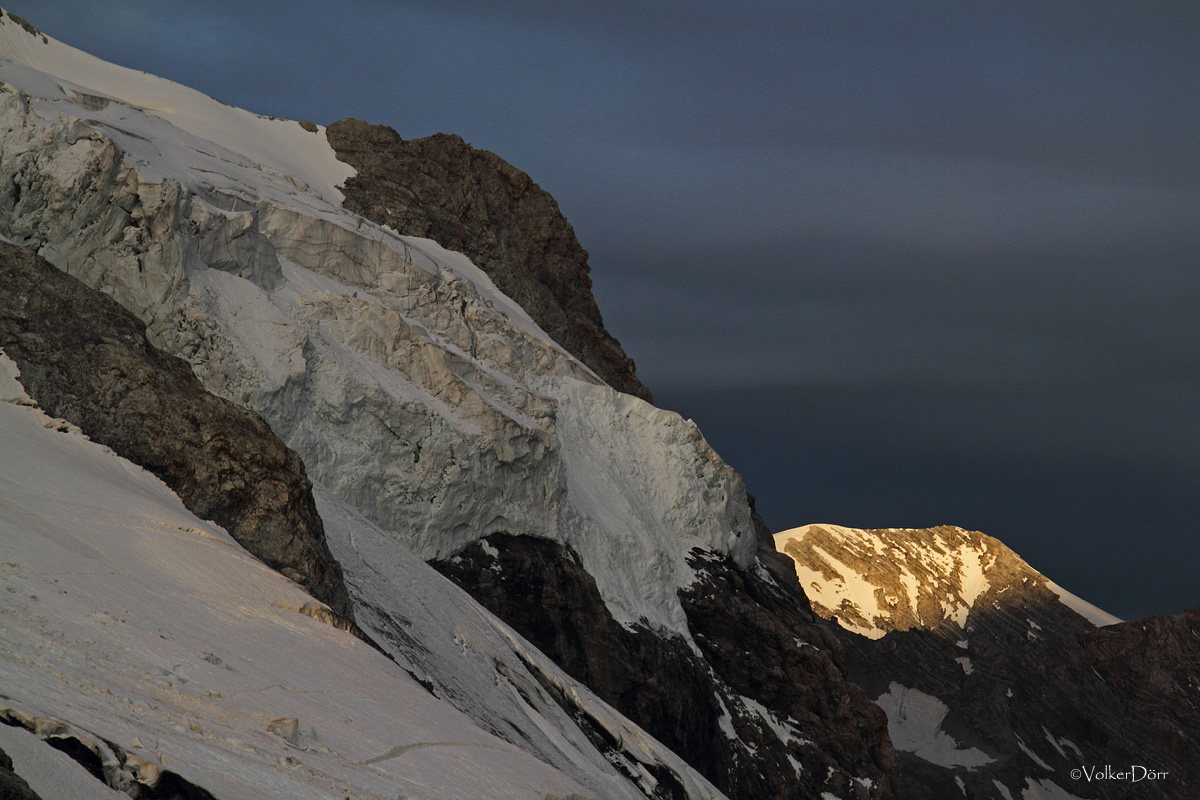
(85, 359)
(441, 188)
(1040, 718)
(1126, 696)
(759, 704)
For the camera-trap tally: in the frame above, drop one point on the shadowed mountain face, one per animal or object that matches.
(1017, 712)
(441, 188)
(763, 691)
(994, 681)
(85, 359)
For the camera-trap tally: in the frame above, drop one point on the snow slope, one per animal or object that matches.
(151, 628)
(438, 633)
(130, 620)
(411, 387)
(1097, 616)
(278, 145)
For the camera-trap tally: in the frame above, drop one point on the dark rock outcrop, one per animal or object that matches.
(760, 637)
(1127, 695)
(109, 763)
(472, 201)
(765, 664)
(86, 359)
(24, 23)
(12, 785)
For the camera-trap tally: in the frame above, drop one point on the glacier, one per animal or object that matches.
(411, 387)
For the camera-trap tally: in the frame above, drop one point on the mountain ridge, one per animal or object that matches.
(441, 188)
(417, 393)
(875, 581)
(998, 683)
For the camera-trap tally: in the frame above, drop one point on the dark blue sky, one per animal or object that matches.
(905, 263)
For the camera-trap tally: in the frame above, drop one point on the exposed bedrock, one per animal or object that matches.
(1031, 713)
(85, 359)
(12, 785)
(473, 201)
(758, 704)
(996, 682)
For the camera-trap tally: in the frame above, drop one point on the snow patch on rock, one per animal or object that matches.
(1083, 608)
(914, 724)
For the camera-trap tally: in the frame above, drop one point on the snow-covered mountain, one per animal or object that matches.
(437, 418)
(77, 348)
(409, 384)
(874, 581)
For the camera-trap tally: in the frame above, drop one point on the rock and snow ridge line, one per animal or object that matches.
(214, 226)
(988, 675)
(86, 358)
(279, 146)
(875, 581)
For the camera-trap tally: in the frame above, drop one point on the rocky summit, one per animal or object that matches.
(473, 201)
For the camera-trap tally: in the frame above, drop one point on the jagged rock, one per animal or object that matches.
(105, 762)
(760, 707)
(441, 188)
(758, 635)
(86, 359)
(540, 589)
(24, 23)
(1123, 695)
